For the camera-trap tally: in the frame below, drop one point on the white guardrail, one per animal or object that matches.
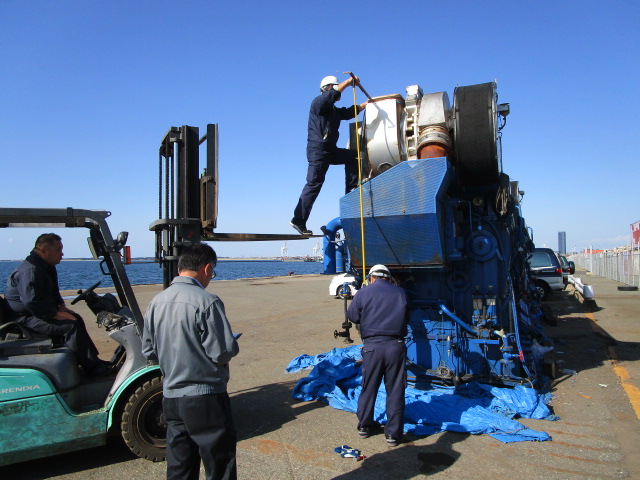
(621, 265)
(585, 290)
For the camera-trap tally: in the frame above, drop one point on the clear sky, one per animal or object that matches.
(89, 89)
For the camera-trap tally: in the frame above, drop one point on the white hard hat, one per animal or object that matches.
(379, 271)
(329, 80)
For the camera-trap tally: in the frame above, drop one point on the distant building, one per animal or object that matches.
(562, 243)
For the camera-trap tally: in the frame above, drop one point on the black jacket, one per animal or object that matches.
(381, 310)
(324, 120)
(32, 289)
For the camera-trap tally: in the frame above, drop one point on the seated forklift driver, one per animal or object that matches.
(34, 300)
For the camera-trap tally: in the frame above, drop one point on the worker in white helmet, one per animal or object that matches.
(322, 137)
(381, 310)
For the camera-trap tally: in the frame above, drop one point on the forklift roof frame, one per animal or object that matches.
(101, 241)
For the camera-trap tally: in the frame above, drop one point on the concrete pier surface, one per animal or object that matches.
(596, 395)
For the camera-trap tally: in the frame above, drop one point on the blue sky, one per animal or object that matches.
(89, 89)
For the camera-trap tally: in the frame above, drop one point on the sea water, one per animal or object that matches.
(81, 274)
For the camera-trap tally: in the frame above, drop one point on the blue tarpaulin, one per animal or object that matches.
(471, 408)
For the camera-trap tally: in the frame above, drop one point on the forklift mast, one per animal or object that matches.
(187, 202)
(188, 199)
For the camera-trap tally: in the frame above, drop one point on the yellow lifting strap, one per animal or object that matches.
(355, 108)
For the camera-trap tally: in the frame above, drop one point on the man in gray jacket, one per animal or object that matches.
(186, 330)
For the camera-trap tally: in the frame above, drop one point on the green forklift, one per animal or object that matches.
(47, 405)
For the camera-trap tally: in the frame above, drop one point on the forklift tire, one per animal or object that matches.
(143, 427)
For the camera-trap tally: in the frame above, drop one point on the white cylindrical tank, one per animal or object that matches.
(384, 131)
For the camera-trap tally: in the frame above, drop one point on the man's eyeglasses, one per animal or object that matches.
(213, 272)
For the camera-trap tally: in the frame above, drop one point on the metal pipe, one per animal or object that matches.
(329, 241)
(358, 84)
(456, 319)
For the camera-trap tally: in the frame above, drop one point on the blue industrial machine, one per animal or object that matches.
(437, 210)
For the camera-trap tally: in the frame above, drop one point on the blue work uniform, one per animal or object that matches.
(322, 151)
(381, 310)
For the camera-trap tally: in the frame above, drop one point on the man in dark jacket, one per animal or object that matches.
(381, 310)
(34, 298)
(322, 138)
(186, 330)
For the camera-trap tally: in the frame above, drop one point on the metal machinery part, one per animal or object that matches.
(476, 133)
(433, 126)
(426, 126)
(412, 105)
(384, 133)
(440, 214)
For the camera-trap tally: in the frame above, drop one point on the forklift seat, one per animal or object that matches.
(22, 348)
(11, 329)
(59, 364)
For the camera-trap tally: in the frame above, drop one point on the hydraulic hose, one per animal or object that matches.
(456, 319)
(516, 329)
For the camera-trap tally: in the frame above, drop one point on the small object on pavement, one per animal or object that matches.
(628, 288)
(346, 451)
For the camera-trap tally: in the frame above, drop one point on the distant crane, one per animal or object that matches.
(317, 250)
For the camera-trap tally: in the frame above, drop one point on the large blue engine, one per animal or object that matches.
(438, 211)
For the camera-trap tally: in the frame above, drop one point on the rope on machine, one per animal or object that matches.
(355, 108)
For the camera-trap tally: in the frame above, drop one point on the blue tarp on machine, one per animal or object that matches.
(471, 408)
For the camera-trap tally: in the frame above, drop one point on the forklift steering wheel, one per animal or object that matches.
(83, 295)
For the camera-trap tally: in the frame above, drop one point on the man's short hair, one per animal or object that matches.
(46, 239)
(195, 257)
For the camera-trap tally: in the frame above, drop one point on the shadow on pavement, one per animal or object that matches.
(580, 342)
(275, 409)
(250, 421)
(408, 461)
(68, 463)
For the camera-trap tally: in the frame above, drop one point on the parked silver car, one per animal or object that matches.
(546, 271)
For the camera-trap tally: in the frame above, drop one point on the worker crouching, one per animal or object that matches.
(381, 310)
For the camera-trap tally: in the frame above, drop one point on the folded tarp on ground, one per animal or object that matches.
(471, 408)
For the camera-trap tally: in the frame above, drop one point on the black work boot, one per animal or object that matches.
(300, 227)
